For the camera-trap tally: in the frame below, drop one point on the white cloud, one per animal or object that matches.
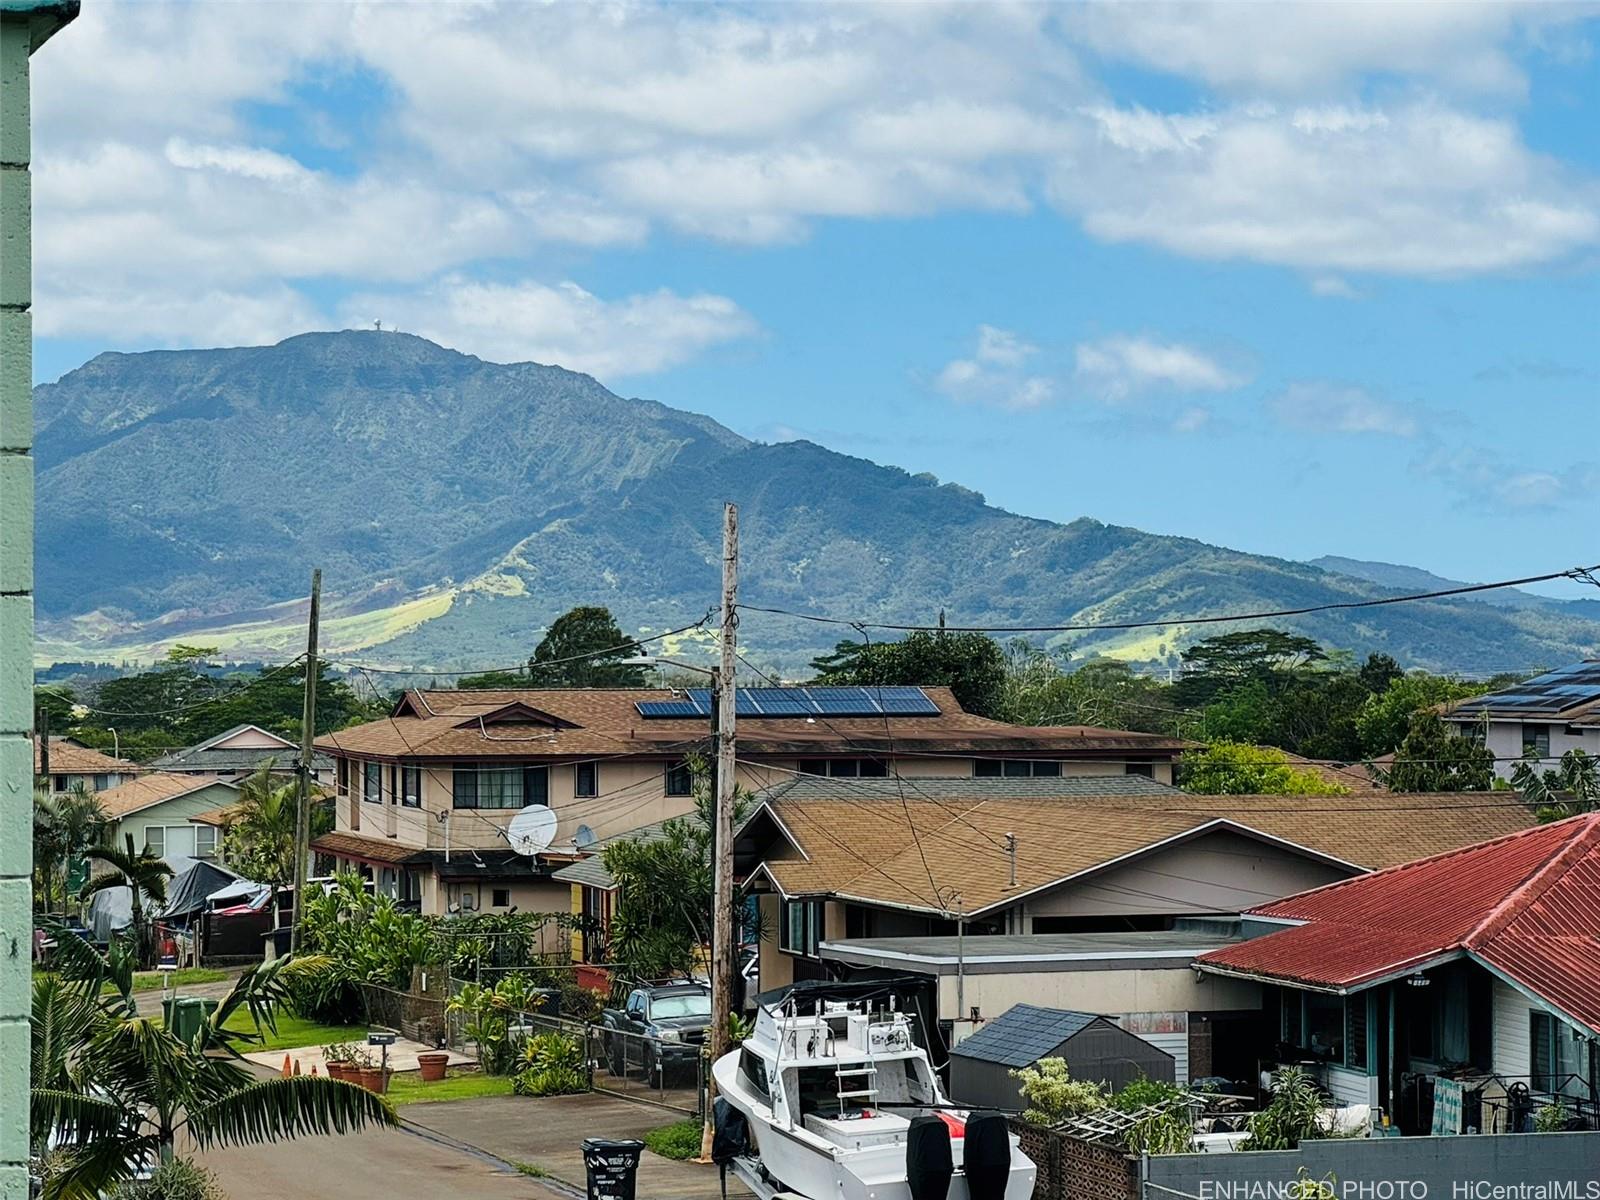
(1334, 286)
(1115, 368)
(1322, 407)
(1193, 420)
(1485, 480)
(565, 324)
(210, 318)
(996, 374)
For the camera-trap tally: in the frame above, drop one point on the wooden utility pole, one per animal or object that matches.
(724, 968)
(308, 733)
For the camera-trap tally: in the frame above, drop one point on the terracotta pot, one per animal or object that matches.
(339, 1071)
(432, 1066)
(374, 1079)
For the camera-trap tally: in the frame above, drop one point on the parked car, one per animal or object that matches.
(667, 1024)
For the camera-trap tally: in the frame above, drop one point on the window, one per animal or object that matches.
(500, 897)
(499, 787)
(344, 776)
(1576, 731)
(59, 782)
(205, 841)
(1558, 1058)
(411, 787)
(155, 840)
(586, 779)
(102, 782)
(680, 781)
(1145, 769)
(754, 1071)
(801, 928)
(1536, 740)
(372, 783)
(1014, 768)
(1355, 1032)
(845, 768)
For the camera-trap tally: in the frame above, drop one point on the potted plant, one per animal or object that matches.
(338, 1058)
(433, 1065)
(368, 1073)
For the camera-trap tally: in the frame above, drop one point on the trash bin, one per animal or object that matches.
(185, 1014)
(613, 1166)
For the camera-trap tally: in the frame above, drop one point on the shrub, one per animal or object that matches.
(1234, 768)
(680, 1140)
(1294, 1114)
(1053, 1095)
(487, 1013)
(552, 1065)
(1551, 1118)
(1142, 1093)
(179, 1179)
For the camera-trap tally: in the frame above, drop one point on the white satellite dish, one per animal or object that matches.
(532, 830)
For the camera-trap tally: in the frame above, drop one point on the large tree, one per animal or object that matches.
(1214, 665)
(1232, 769)
(260, 836)
(585, 648)
(972, 665)
(1430, 758)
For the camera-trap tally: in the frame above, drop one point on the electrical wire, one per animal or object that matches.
(1582, 574)
(230, 694)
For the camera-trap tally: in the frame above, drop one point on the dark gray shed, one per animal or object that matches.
(1095, 1048)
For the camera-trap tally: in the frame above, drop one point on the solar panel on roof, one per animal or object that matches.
(896, 701)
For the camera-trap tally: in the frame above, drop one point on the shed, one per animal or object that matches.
(1095, 1049)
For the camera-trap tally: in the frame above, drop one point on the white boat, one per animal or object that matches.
(842, 1103)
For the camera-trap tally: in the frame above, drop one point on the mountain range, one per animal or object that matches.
(455, 506)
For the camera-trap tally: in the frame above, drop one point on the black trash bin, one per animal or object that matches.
(613, 1167)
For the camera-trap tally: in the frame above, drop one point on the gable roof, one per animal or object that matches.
(1526, 906)
(968, 787)
(884, 852)
(147, 791)
(606, 721)
(70, 757)
(213, 755)
(1023, 1034)
(229, 734)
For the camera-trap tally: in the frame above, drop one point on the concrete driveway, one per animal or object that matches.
(550, 1132)
(393, 1164)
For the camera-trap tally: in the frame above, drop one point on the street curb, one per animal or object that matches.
(503, 1165)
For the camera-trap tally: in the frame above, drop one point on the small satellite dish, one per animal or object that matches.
(584, 838)
(532, 830)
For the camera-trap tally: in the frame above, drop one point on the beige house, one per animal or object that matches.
(425, 795)
(1046, 883)
(72, 764)
(160, 810)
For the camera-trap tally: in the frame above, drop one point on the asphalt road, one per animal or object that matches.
(392, 1164)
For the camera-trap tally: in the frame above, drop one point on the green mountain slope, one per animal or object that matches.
(456, 506)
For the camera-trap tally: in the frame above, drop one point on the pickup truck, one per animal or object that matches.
(668, 1024)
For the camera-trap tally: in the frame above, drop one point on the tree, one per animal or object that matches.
(1570, 788)
(112, 1092)
(143, 874)
(65, 825)
(1430, 758)
(1386, 715)
(585, 648)
(1217, 663)
(1233, 769)
(972, 665)
(259, 841)
(1041, 690)
(495, 680)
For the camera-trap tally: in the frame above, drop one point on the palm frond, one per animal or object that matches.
(62, 1019)
(66, 1117)
(272, 1109)
(91, 1172)
(260, 991)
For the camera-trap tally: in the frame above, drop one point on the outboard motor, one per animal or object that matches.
(986, 1156)
(730, 1136)
(929, 1165)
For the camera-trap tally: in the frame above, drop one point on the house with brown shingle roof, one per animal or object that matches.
(1113, 890)
(161, 811)
(445, 772)
(72, 764)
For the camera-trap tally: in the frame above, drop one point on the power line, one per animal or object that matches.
(220, 698)
(1582, 574)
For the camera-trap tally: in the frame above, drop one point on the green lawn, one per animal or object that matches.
(408, 1088)
(151, 981)
(295, 1032)
(680, 1140)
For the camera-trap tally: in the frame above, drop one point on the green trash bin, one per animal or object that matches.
(185, 1014)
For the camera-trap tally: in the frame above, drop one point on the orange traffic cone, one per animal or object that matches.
(286, 1071)
(313, 1068)
(297, 1066)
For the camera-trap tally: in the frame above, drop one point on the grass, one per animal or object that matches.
(531, 1170)
(151, 981)
(294, 1032)
(680, 1140)
(408, 1088)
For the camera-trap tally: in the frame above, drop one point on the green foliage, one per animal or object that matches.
(65, 825)
(179, 1179)
(972, 665)
(490, 1015)
(1142, 1093)
(1039, 689)
(679, 1141)
(1431, 758)
(1386, 715)
(1306, 1186)
(551, 1065)
(1551, 1117)
(114, 1091)
(585, 648)
(1229, 768)
(1293, 1115)
(145, 876)
(1218, 664)
(1569, 788)
(1053, 1096)
(259, 842)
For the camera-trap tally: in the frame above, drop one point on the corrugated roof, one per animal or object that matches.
(1527, 904)
(1023, 1034)
(590, 721)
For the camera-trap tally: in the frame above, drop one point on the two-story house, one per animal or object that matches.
(72, 764)
(1540, 718)
(424, 796)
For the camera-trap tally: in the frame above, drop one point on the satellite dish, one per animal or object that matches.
(532, 830)
(584, 838)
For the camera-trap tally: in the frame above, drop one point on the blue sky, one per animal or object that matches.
(1298, 279)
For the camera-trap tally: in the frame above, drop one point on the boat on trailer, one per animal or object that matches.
(841, 1102)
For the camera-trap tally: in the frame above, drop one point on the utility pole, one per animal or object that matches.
(723, 967)
(308, 733)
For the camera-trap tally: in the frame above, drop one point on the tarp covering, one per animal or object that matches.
(112, 910)
(188, 891)
(241, 893)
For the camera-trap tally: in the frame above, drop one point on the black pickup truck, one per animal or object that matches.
(668, 1024)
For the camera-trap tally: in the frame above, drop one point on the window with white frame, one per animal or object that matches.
(205, 841)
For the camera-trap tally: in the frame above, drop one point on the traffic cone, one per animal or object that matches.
(286, 1072)
(313, 1069)
(297, 1066)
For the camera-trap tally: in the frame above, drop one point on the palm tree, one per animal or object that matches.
(47, 842)
(112, 1092)
(64, 825)
(259, 842)
(143, 874)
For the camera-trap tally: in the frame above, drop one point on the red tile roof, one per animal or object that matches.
(1526, 905)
